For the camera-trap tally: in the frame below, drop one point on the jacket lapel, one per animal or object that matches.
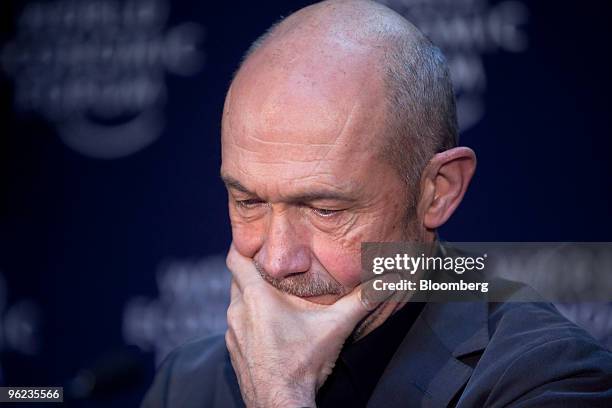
(427, 369)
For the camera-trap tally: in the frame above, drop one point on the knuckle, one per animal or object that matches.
(229, 261)
(231, 315)
(229, 342)
(250, 294)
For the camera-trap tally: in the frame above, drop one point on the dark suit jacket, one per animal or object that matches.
(471, 354)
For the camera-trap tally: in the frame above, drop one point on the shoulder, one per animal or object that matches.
(533, 323)
(537, 357)
(517, 328)
(199, 356)
(188, 375)
(532, 333)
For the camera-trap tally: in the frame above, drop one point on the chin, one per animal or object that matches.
(323, 299)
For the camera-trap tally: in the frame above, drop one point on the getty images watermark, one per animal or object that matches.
(426, 264)
(497, 272)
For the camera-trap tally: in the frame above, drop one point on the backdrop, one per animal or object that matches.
(113, 220)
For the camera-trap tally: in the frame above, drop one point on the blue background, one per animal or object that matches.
(81, 236)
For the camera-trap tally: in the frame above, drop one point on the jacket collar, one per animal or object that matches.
(427, 369)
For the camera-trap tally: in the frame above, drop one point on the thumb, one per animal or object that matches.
(363, 299)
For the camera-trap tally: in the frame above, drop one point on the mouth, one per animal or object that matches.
(322, 299)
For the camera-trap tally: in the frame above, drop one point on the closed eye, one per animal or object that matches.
(323, 212)
(250, 203)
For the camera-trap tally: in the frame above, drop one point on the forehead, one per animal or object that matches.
(306, 122)
(294, 156)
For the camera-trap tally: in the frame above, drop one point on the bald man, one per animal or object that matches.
(340, 128)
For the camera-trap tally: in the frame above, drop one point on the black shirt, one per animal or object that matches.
(361, 364)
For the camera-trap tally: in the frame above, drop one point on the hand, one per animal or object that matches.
(283, 347)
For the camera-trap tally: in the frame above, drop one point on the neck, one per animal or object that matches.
(376, 318)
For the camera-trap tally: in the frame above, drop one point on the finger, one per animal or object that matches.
(234, 323)
(242, 268)
(364, 299)
(235, 293)
(231, 342)
(235, 354)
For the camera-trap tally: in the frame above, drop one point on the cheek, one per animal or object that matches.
(247, 237)
(341, 256)
(341, 262)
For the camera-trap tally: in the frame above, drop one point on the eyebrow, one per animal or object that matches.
(310, 196)
(231, 182)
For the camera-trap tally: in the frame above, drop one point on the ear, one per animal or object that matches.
(444, 181)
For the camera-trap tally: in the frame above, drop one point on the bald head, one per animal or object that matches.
(326, 110)
(339, 59)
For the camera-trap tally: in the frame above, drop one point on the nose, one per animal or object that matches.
(285, 249)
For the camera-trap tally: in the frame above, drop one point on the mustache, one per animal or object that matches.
(303, 284)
